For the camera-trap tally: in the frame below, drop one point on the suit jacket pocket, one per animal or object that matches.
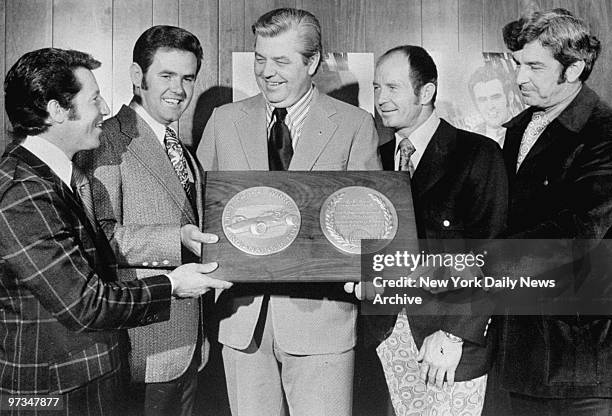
(81, 367)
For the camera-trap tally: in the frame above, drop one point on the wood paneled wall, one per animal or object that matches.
(108, 29)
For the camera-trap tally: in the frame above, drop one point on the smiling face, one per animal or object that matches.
(84, 123)
(168, 84)
(394, 95)
(538, 76)
(492, 101)
(279, 67)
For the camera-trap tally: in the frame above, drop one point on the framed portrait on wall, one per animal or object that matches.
(478, 92)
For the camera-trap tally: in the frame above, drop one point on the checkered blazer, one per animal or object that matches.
(62, 309)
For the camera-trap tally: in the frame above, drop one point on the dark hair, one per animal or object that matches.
(282, 20)
(168, 37)
(422, 67)
(566, 36)
(488, 72)
(37, 78)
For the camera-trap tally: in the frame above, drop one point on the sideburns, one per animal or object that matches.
(562, 77)
(73, 114)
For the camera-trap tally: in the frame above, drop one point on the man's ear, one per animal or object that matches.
(57, 113)
(427, 93)
(313, 63)
(573, 72)
(136, 75)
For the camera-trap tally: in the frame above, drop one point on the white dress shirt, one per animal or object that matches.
(51, 155)
(419, 138)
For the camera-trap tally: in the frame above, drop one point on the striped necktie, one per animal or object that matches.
(82, 189)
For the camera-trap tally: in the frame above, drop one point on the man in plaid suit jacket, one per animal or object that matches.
(62, 309)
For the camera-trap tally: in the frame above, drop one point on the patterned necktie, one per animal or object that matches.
(406, 149)
(177, 158)
(280, 148)
(82, 189)
(534, 129)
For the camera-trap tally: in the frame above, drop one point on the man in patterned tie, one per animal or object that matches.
(459, 190)
(558, 154)
(147, 196)
(64, 312)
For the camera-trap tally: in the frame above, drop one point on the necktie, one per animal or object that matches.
(174, 149)
(406, 149)
(280, 148)
(82, 189)
(534, 129)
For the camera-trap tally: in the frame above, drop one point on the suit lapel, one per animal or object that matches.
(387, 155)
(145, 148)
(561, 130)
(96, 235)
(198, 180)
(253, 133)
(317, 132)
(433, 163)
(44, 171)
(552, 131)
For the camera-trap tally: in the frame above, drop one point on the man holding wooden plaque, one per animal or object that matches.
(460, 191)
(288, 345)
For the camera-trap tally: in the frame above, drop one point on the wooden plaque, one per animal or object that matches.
(311, 256)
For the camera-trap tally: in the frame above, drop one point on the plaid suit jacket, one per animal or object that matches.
(62, 309)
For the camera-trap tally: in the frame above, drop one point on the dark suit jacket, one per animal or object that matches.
(563, 192)
(61, 307)
(459, 191)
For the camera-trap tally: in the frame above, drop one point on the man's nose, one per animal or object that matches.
(380, 96)
(176, 86)
(104, 110)
(269, 69)
(521, 75)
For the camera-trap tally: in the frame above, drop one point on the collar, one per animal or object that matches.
(573, 117)
(295, 109)
(555, 111)
(51, 155)
(158, 128)
(419, 138)
(577, 113)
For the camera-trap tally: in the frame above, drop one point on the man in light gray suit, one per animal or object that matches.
(147, 190)
(288, 345)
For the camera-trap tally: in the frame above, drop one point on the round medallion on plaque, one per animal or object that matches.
(355, 213)
(261, 220)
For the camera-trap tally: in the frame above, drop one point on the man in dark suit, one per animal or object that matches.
(459, 190)
(63, 309)
(294, 345)
(148, 198)
(558, 154)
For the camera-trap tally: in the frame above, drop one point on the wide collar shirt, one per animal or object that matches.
(555, 111)
(296, 116)
(51, 155)
(158, 128)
